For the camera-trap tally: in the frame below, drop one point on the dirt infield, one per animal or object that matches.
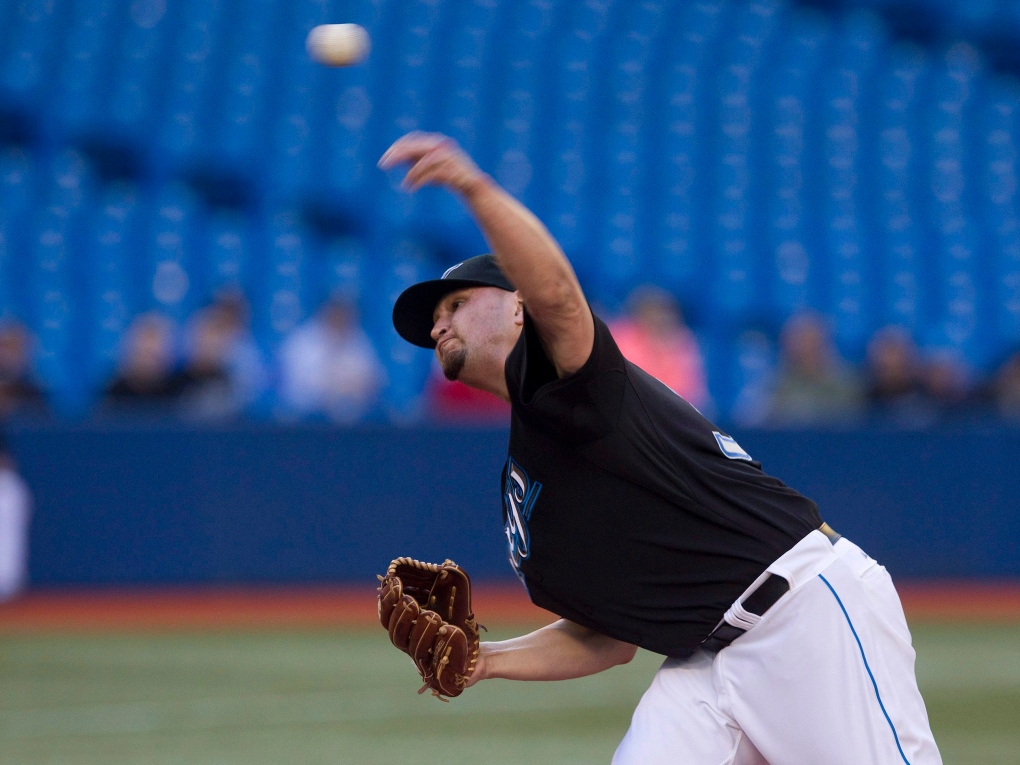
(282, 608)
(224, 608)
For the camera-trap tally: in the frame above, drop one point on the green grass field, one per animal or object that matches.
(318, 697)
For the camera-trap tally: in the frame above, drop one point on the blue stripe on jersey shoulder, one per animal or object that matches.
(867, 667)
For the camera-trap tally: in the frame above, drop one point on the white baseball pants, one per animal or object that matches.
(824, 677)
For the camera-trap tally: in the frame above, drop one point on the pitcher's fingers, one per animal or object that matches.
(387, 160)
(411, 148)
(436, 166)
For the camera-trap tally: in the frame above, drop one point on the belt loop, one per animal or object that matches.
(757, 603)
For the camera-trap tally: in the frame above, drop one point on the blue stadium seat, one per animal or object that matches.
(84, 69)
(398, 263)
(283, 301)
(972, 17)
(184, 130)
(520, 122)
(471, 53)
(352, 138)
(1001, 174)
(998, 150)
(110, 293)
(407, 261)
(302, 114)
(905, 295)
(142, 59)
(411, 94)
(53, 275)
(701, 20)
(346, 161)
(851, 293)
(1007, 17)
(676, 136)
(70, 178)
(411, 104)
(292, 162)
(241, 127)
(848, 293)
(7, 25)
(8, 247)
(963, 319)
(346, 263)
(53, 298)
(17, 179)
(792, 198)
(461, 108)
(33, 46)
(576, 132)
(228, 252)
(735, 264)
(170, 282)
(621, 250)
(959, 291)
(1007, 292)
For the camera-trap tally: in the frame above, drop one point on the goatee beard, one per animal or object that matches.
(453, 363)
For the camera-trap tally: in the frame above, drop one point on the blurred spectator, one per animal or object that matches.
(206, 391)
(223, 372)
(246, 366)
(330, 368)
(814, 386)
(15, 512)
(654, 337)
(1006, 388)
(895, 379)
(19, 394)
(146, 376)
(949, 385)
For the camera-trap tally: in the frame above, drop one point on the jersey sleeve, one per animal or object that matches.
(580, 407)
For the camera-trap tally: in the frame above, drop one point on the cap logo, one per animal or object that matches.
(448, 271)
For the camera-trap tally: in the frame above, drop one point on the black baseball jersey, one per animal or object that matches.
(628, 512)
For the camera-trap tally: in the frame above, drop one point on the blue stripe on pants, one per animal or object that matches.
(873, 683)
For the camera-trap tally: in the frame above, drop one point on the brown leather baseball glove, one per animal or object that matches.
(426, 608)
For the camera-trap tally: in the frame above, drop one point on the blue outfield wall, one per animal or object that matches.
(259, 504)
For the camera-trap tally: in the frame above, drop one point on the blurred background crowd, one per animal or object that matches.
(792, 213)
(211, 368)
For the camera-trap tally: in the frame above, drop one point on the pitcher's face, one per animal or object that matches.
(473, 328)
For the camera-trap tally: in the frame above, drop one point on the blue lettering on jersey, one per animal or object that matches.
(518, 501)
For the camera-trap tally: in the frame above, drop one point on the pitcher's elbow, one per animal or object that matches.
(626, 653)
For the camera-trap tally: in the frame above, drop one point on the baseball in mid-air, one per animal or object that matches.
(338, 44)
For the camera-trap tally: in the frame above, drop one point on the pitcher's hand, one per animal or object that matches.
(435, 160)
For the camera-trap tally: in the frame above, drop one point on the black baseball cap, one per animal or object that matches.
(412, 313)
